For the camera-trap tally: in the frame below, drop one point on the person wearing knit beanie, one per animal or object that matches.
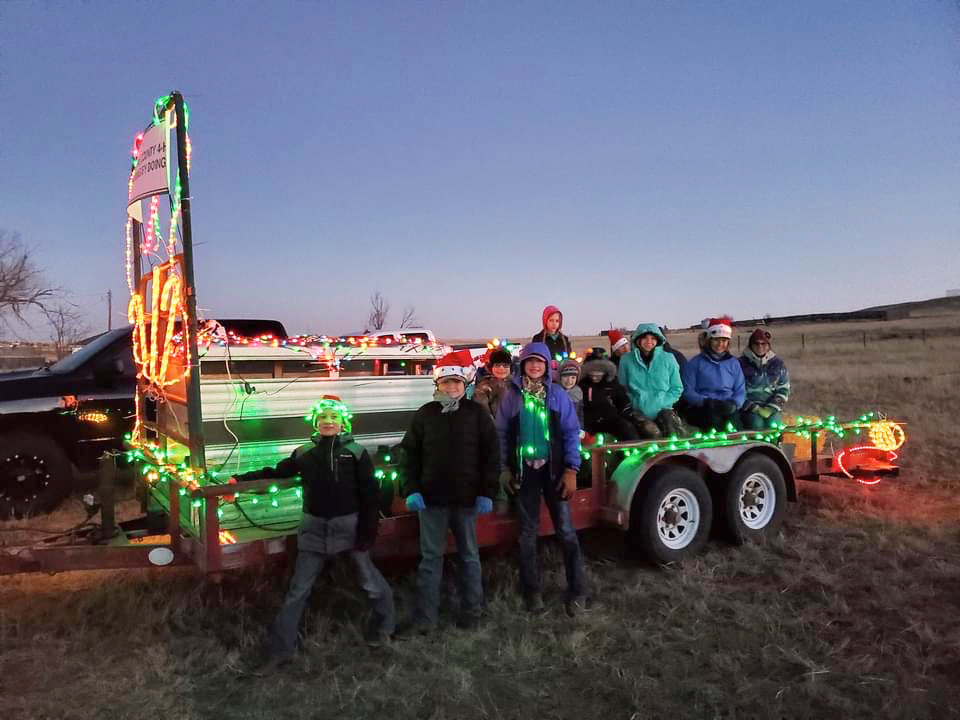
(767, 383)
(490, 387)
(568, 375)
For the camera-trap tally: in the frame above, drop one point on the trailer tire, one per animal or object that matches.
(35, 474)
(671, 519)
(754, 499)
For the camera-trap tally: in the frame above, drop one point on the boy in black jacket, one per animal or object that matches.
(452, 460)
(340, 514)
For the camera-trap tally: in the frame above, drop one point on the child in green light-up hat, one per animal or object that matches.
(340, 515)
(327, 411)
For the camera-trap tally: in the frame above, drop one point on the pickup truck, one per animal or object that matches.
(56, 421)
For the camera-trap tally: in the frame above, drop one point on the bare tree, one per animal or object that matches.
(22, 286)
(66, 327)
(409, 318)
(379, 308)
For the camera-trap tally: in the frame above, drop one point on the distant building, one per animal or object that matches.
(955, 292)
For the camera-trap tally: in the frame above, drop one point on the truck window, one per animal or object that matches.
(92, 349)
(413, 337)
(359, 367)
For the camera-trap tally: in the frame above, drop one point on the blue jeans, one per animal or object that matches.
(527, 503)
(285, 629)
(434, 523)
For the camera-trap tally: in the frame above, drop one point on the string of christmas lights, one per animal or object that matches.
(158, 469)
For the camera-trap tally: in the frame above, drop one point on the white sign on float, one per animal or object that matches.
(152, 174)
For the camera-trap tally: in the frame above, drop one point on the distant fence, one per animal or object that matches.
(852, 338)
(20, 362)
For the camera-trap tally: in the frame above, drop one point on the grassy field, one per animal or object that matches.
(853, 610)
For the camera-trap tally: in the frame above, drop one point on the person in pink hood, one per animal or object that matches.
(550, 335)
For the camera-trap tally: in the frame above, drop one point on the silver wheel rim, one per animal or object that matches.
(678, 518)
(757, 500)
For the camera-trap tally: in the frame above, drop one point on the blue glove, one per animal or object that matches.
(415, 503)
(483, 505)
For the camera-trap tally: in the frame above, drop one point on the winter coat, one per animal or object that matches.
(451, 458)
(605, 399)
(677, 355)
(576, 396)
(767, 379)
(654, 388)
(488, 391)
(337, 479)
(706, 377)
(564, 427)
(556, 346)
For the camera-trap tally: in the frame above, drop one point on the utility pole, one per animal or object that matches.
(109, 310)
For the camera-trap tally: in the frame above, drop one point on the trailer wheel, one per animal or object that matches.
(35, 474)
(671, 520)
(754, 499)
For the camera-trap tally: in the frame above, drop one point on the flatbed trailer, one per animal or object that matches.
(196, 426)
(666, 495)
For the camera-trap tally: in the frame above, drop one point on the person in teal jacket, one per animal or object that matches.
(651, 378)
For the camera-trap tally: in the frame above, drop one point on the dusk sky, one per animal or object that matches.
(637, 161)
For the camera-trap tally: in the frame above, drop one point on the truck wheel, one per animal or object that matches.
(35, 474)
(671, 521)
(754, 499)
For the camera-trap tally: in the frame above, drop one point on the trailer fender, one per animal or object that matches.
(631, 474)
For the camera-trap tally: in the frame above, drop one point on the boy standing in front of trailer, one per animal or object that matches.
(540, 454)
(452, 463)
(340, 514)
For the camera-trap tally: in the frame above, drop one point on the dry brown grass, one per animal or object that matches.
(853, 610)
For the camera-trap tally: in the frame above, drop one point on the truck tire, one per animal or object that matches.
(671, 519)
(35, 474)
(754, 499)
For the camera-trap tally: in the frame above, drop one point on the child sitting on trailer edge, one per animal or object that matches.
(340, 515)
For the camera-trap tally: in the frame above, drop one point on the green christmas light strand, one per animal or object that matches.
(154, 460)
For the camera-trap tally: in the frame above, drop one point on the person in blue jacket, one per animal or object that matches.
(713, 382)
(540, 455)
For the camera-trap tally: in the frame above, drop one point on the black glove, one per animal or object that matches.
(727, 407)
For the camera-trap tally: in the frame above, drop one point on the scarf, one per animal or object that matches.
(534, 435)
(713, 356)
(448, 403)
(756, 359)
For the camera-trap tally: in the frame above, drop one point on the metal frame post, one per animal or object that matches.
(194, 414)
(108, 479)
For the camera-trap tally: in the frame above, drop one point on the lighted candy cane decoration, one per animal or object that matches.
(166, 297)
